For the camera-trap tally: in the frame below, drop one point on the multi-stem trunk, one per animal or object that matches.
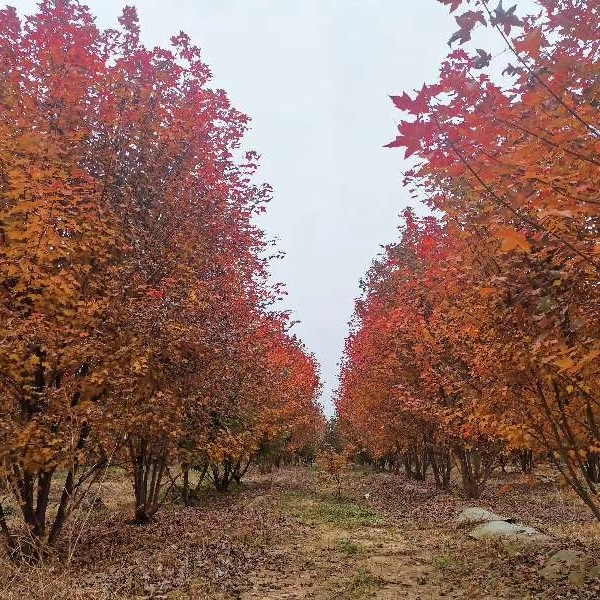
(149, 461)
(441, 464)
(416, 463)
(240, 470)
(475, 469)
(31, 490)
(222, 477)
(525, 459)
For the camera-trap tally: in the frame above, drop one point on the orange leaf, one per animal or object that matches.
(512, 240)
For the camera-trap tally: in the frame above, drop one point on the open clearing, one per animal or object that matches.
(285, 536)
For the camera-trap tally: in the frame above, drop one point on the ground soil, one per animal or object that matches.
(285, 535)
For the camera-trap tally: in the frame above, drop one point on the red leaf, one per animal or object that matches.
(454, 4)
(403, 102)
(531, 43)
(411, 135)
(469, 19)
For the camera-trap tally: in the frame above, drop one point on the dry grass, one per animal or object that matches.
(45, 582)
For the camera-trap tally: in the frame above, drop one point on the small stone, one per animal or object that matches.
(499, 529)
(594, 572)
(577, 578)
(476, 514)
(573, 565)
(513, 548)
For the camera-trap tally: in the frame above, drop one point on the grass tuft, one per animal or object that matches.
(348, 547)
(364, 583)
(447, 562)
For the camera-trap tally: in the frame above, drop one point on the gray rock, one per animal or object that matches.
(504, 529)
(474, 515)
(573, 565)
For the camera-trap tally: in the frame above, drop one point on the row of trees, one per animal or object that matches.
(136, 321)
(478, 333)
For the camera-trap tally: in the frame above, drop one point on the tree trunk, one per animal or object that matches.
(503, 460)
(201, 479)
(474, 469)
(32, 493)
(149, 465)
(222, 479)
(525, 459)
(441, 464)
(185, 487)
(240, 470)
(592, 466)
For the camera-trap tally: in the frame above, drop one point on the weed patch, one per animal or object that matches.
(348, 546)
(447, 562)
(313, 509)
(364, 583)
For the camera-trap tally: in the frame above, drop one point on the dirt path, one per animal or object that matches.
(401, 544)
(341, 550)
(338, 563)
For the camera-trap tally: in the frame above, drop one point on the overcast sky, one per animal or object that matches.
(314, 76)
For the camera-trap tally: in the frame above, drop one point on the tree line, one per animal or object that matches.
(477, 334)
(137, 322)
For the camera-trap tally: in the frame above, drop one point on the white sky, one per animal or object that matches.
(315, 76)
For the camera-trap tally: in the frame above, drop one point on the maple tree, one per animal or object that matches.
(267, 402)
(335, 464)
(512, 301)
(136, 315)
(185, 206)
(400, 393)
(56, 248)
